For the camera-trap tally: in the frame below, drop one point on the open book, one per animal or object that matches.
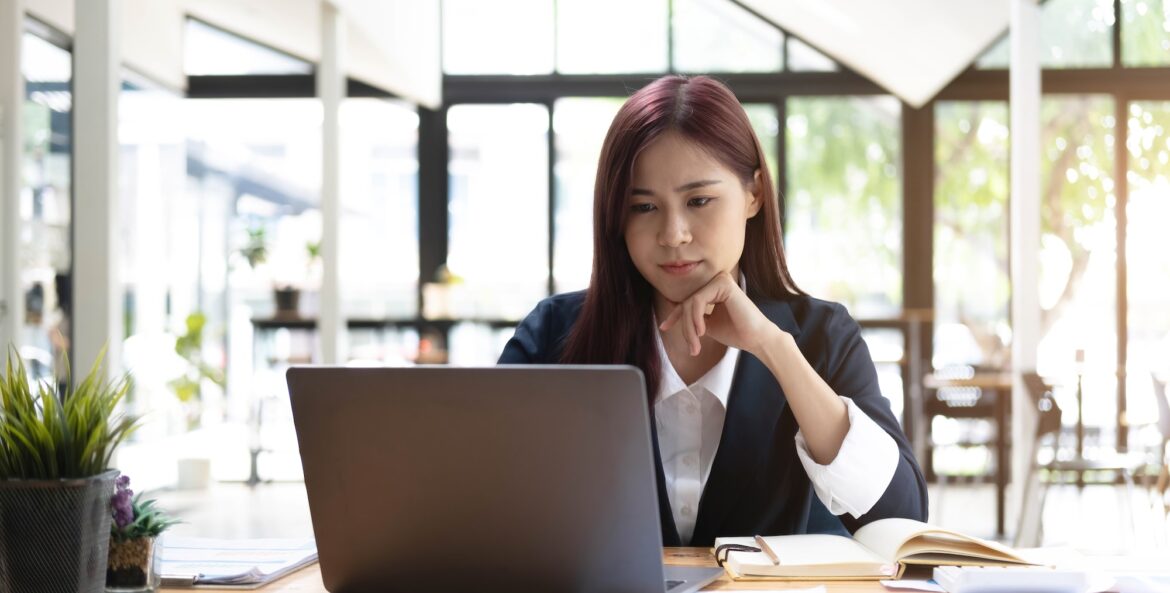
(231, 563)
(880, 550)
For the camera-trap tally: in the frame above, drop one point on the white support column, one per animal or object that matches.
(11, 133)
(97, 285)
(1024, 234)
(331, 90)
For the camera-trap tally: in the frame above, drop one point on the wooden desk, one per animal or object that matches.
(999, 384)
(308, 579)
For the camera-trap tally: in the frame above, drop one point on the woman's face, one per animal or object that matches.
(687, 217)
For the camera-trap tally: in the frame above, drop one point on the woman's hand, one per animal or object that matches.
(722, 309)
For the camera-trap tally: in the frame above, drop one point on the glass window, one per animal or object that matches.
(611, 36)
(1078, 256)
(1145, 33)
(498, 37)
(379, 197)
(45, 206)
(997, 56)
(250, 211)
(498, 210)
(254, 179)
(1148, 268)
(1073, 34)
(1076, 33)
(844, 231)
(972, 285)
(157, 235)
(719, 36)
(886, 348)
(209, 50)
(580, 125)
(803, 58)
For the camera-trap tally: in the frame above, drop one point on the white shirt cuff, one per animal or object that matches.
(856, 479)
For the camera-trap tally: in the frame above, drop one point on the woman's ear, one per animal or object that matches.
(755, 194)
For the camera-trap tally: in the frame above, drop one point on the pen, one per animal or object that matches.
(767, 550)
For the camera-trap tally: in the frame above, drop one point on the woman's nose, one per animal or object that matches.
(674, 232)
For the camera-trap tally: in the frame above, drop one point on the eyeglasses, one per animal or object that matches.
(722, 551)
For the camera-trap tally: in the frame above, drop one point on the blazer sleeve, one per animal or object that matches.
(851, 373)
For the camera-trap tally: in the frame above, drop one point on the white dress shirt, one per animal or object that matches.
(689, 420)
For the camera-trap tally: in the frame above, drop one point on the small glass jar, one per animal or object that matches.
(133, 566)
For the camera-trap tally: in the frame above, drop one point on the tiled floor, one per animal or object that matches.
(1094, 519)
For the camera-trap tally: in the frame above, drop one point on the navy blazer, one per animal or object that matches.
(757, 484)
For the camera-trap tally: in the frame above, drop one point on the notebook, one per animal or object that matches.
(880, 550)
(231, 563)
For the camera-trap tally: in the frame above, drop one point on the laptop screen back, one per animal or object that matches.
(503, 478)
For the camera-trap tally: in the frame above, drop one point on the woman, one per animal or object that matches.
(768, 416)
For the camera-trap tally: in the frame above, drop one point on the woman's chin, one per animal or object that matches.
(675, 292)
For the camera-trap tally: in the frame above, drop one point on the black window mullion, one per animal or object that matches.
(433, 155)
(1115, 31)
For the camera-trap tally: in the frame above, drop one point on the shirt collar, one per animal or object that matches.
(717, 380)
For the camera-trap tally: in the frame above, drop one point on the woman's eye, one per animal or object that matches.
(699, 202)
(640, 208)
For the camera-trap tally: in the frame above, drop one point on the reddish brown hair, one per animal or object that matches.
(616, 321)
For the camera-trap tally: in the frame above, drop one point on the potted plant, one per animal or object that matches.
(55, 478)
(255, 250)
(287, 293)
(133, 563)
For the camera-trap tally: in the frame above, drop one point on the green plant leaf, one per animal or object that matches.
(48, 433)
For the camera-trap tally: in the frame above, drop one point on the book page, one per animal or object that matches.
(916, 542)
(886, 536)
(812, 549)
(938, 541)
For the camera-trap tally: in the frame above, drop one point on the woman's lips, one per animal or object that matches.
(679, 268)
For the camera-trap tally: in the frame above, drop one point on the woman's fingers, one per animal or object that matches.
(698, 311)
(688, 327)
(671, 318)
(693, 311)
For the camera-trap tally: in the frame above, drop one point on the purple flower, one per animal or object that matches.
(121, 503)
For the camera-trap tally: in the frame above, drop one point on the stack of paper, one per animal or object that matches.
(240, 563)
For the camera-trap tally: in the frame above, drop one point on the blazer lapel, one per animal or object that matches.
(753, 409)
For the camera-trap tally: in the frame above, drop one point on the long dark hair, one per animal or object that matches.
(616, 321)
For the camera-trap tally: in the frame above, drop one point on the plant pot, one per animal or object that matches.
(54, 534)
(287, 302)
(133, 566)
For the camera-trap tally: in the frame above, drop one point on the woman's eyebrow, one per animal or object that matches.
(637, 191)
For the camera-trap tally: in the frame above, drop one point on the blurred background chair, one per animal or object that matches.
(1051, 462)
(965, 413)
(1162, 458)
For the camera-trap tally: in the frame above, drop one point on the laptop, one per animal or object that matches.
(509, 478)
